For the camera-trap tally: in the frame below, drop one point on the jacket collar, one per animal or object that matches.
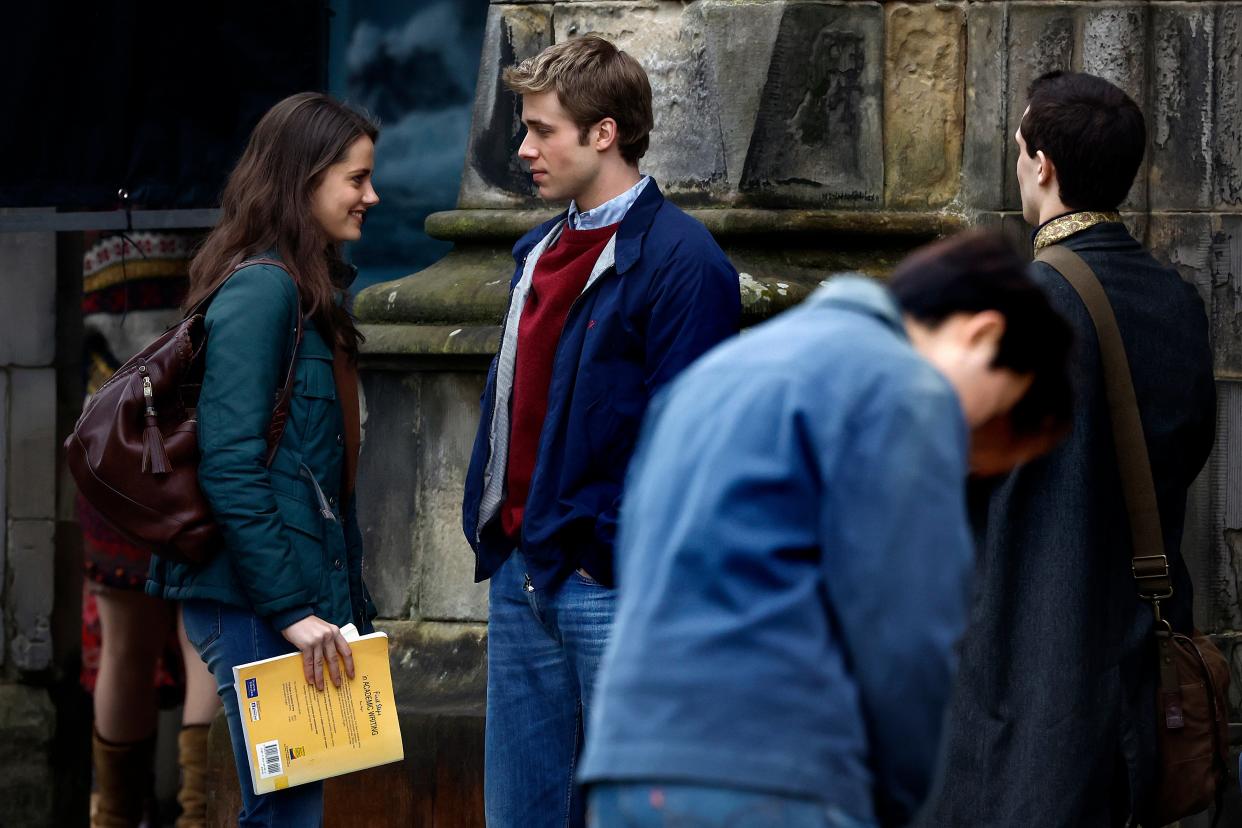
(630, 235)
(853, 291)
(1065, 225)
(635, 225)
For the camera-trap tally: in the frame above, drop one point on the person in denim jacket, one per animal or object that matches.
(289, 573)
(795, 559)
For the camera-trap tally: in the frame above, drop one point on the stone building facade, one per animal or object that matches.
(810, 136)
(28, 510)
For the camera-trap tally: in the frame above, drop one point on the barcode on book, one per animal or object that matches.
(270, 763)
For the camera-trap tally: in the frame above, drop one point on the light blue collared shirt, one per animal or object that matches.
(610, 212)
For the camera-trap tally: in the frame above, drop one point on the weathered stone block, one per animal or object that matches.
(1180, 113)
(28, 600)
(987, 137)
(27, 719)
(1017, 232)
(923, 109)
(739, 42)
(818, 139)
(687, 151)
(4, 520)
(32, 443)
(1114, 41)
(442, 665)
(1199, 550)
(28, 285)
(1227, 140)
(492, 175)
(388, 503)
(27, 727)
(448, 418)
(1225, 307)
(1212, 541)
(1040, 38)
(1183, 241)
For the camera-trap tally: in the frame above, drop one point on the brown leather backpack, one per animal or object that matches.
(134, 450)
(1192, 724)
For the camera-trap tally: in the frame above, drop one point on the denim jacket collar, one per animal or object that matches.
(860, 293)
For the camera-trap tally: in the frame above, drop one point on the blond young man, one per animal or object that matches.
(609, 301)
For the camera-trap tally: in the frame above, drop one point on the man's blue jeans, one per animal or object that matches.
(657, 805)
(543, 651)
(226, 636)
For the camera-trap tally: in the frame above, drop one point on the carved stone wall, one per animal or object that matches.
(810, 136)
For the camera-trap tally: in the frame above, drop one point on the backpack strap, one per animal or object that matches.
(280, 410)
(1150, 565)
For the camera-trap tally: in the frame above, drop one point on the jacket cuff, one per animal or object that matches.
(283, 619)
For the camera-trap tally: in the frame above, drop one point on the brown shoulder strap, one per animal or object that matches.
(1150, 566)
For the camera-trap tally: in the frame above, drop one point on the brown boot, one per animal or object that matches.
(192, 796)
(122, 779)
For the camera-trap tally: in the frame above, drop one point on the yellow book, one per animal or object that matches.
(297, 734)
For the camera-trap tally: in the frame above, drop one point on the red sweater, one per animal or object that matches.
(560, 275)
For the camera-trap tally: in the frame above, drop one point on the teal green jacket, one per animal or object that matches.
(290, 549)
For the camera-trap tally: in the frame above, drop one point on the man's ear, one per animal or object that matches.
(1047, 170)
(604, 134)
(984, 330)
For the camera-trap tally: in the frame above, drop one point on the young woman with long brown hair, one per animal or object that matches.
(289, 574)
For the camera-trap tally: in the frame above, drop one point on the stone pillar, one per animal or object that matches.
(27, 514)
(810, 136)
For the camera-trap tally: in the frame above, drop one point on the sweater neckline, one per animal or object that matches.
(587, 237)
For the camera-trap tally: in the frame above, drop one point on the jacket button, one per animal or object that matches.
(332, 500)
(340, 439)
(337, 563)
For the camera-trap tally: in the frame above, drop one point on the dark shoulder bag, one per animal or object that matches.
(134, 450)
(1192, 724)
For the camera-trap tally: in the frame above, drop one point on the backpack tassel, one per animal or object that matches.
(154, 457)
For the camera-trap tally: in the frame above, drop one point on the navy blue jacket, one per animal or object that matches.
(671, 295)
(1057, 691)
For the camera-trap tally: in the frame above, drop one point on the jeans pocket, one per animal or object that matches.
(584, 578)
(202, 623)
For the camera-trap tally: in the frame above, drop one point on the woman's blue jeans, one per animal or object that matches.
(658, 805)
(224, 637)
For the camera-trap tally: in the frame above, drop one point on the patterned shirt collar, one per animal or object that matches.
(610, 212)
(1062, 227)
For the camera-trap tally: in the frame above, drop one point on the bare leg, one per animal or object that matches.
(201, 704)
(133, 631)
(201, 700)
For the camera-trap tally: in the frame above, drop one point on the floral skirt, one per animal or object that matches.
(113, 562)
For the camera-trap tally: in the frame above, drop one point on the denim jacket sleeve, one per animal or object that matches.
(898, 574)
(249, 328)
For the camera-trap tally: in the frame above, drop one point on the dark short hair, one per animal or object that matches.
(1093, 132)
(593, 80)
(978, 271)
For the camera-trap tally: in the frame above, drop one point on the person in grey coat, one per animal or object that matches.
(1053, 720)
